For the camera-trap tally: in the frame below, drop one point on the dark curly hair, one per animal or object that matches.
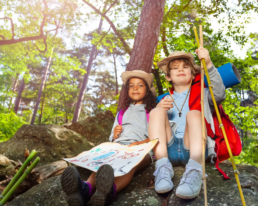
(149, 99)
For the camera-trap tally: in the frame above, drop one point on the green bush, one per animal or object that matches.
(249, 154)
(9, 124)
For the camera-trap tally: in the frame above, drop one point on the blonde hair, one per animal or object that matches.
(187, 62)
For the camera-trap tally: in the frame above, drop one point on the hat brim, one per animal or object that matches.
(148, 78)
(164, 62)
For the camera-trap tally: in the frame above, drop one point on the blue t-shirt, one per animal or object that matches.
(179, 98)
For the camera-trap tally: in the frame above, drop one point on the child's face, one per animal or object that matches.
(180, 73)
(137, 90)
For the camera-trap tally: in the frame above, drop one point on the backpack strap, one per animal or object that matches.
(147, 114)
(121, 114)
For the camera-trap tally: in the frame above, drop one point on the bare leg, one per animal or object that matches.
(124, 180)
(193, 135)
(159, 127)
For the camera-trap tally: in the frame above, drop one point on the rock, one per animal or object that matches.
(52, 142)
(95, 129)
(7, 168)
(220, 192)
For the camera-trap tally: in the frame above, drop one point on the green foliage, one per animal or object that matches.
(249, 153)
(9, 124)
(112, 107)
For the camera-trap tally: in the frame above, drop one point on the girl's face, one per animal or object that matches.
(137, 90)
(180, 73)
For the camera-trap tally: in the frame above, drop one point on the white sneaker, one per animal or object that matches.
(163, 175)
(191, 183)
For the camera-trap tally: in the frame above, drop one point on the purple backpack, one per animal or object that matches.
(121, 114)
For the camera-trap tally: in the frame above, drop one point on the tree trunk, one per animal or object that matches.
(146, 38)
(155, 73)
(41, 89)
(14, 87)
(115, 73)
(19, 97)
(85, 79)
(41, 110)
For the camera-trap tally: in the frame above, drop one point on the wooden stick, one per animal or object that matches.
(220, 123)
(203, 123)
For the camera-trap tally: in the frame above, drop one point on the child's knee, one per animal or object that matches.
(158, 111)
(193, 115)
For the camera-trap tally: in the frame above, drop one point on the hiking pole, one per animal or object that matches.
(10, 192)
(220, 122)
(203, 124)
(18, 174)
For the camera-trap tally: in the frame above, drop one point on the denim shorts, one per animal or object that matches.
(178, 154)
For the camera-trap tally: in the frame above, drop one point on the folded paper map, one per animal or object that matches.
(121, 157)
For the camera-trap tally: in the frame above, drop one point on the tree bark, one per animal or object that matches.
(41, 89)
(85, 79)
(146, 38)
(155, 73)
(19, 97)
(115, 73)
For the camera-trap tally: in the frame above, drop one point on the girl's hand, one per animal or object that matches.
(166, 104)
(203, 53)
(117, 131)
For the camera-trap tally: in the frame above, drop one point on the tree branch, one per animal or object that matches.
(164, 39)
(110, 6)
(32, 38)
(103, 36)
(11, 25)
(126, 47)
(187, 4)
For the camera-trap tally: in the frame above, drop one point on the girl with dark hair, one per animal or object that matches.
(130, 128)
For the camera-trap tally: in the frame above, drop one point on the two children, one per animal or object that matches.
(138, 101)
(179, 130)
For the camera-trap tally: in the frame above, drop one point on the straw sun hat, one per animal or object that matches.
(177, 55)
(148, 78)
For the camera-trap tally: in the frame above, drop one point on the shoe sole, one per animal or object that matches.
(164, 191)
(104, 183)
(69, 183)
(189, 197)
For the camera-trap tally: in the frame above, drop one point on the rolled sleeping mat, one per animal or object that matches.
(229, 74)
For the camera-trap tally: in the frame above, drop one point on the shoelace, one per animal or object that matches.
(189, 178)
(161, 174)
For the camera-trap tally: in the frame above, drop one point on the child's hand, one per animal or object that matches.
(203, 53)
(117, 131)
(166, 104)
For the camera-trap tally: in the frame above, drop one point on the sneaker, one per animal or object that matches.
(191, 183)
(163, 175)
(105, 188)
(78, 192)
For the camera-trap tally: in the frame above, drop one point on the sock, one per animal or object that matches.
(114, 190)
(90, 188)
(193, 163)
(162, 161)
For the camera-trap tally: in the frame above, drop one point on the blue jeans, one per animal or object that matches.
(178, 154)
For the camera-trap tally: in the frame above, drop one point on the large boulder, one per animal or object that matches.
(140, 191)
(95, 129)
(52, 142)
